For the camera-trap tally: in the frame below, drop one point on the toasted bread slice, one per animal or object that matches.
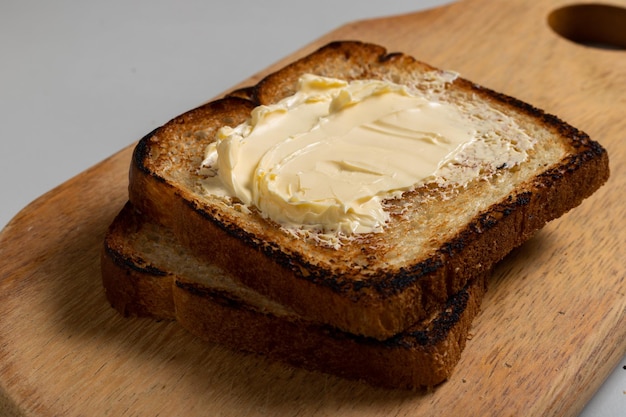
(148, 273)
(438, 238)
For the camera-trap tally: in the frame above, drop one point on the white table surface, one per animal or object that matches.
(80, 80)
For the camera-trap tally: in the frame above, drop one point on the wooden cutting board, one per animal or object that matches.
(553, 323)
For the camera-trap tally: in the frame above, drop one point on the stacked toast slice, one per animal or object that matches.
(148, 273)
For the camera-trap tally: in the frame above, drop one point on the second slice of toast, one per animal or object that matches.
(148, 273)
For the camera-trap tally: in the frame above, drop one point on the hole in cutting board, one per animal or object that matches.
(595, 25)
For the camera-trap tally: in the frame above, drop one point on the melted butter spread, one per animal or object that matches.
(328, 157)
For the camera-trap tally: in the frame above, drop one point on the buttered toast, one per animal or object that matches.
(148, 273)
(439, 237)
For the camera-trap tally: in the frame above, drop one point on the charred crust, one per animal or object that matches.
(397, 281)
(224, 106)
(429, 335)
(491, 218)
(588, 150)
(513, 102)
(349, 46)
(577, 138)
(142, 152)
(344, 49)
(135, 263)
(230, 229)
(390, 56)
(405, 277)
(439, 328)
(217, 296)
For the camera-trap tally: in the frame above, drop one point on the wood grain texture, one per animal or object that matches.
(553, 323)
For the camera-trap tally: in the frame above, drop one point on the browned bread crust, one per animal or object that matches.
(146, 273)
(378, 284)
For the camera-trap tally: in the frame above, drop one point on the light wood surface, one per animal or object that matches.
(553, 324)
